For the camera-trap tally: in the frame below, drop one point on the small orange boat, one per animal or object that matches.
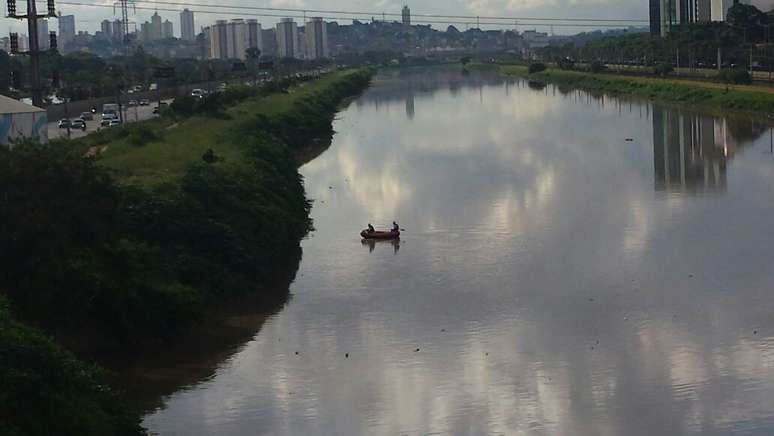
(365, 234)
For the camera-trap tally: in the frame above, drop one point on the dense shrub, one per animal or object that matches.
(125, 263)
(236, 94)
(735, 76)
(536, 67)
(184, 106)
(663, 69)
(566, 64)
(598, 67)
(45, 390)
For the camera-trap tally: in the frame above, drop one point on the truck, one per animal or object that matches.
(110, 111)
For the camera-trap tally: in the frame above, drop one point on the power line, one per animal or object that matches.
(383, 14)
(269, 15)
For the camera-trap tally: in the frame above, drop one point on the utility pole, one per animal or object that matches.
(677, 70)
(32, 17)
(124, 5)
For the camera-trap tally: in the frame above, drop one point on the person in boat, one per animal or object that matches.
(395, 227)
(371, 228)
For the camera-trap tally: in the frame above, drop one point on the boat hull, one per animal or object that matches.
(379, 235)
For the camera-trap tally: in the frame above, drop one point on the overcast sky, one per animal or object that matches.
(88, 18)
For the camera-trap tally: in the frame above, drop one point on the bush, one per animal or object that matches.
(45, 390)
(536, 67)
(735, 76)
(184, 106)
(663, 69)
(139, 136)
(598, 67)
(567, 64)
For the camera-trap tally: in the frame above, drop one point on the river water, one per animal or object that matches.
(571, 265)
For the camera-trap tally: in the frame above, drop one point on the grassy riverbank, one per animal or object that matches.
(711, 95)
(174, 215)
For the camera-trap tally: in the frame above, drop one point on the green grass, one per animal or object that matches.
(166, 160)
(757, 100)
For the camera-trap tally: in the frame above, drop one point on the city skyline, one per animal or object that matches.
(89, 18)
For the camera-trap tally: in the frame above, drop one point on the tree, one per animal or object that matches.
(253, 55)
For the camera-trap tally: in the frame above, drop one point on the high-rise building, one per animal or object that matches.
(145, 32)
(287, 39)
(666, 14)
(237, 39)
(406, 13)
(231, 39)
(167, 30)
(254, 35)
(66, 31)
(720, 9)
(118, 30)
(703, 11)
(107, 29)
(316, 34)
(43, 38)
(217, 35)
(187, 27)
(655, 17)
(156, 30)
(269, 42)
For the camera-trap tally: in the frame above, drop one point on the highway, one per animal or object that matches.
(131, 114)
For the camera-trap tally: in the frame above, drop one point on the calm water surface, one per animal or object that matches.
(572, 265)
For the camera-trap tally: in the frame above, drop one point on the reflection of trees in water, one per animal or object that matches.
(691, 151)
(149, 377)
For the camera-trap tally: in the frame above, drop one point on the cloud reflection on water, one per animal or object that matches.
(549, 288)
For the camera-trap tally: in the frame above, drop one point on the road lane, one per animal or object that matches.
(131, 114)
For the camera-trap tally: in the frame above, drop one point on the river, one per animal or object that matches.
(571, 265)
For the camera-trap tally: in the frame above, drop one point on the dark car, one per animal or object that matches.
(87, 116)
(64, 123)
(77, 124)
(144, 102)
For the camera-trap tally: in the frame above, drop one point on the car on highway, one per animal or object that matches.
(64, 123)
(87, 116)
(198, 93)
(78, 124)
(132, 103)
(114, 123)
(144, 102)
(107, 119)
